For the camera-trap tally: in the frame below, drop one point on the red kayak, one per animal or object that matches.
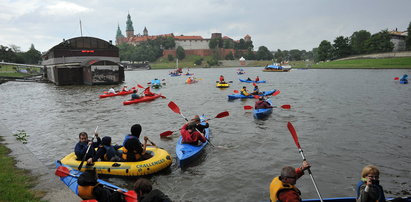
(143, 99)
(116, 94)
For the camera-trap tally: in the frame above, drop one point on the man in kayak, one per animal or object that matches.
(124, 88)
(81, 147)
(111, 91)
(135, 95)
(262, 104)
(257, 79)
(369, 188)
(248, 79)
(88, 188)
(145, 192)
(133, 149)
(222, 79)
(244, 91)
(190, 135)
(200, 127)
(283, 188)
(256, 91)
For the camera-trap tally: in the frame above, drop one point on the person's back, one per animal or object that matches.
(145, 192)
(106, 151)
(262, 104)
(88, 188)
(135, 96)
(190, 135)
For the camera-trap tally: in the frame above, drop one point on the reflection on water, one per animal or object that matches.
(345, 119)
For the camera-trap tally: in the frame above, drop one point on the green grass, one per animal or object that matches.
(9, 71)
(383, 63)
(15, 183)
(188, 61)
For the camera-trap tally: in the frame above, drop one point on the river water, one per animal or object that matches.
(345, 119)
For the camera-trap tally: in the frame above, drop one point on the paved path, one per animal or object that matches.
(55, 190)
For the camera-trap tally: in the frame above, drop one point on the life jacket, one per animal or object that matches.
(137, 156)
(277, 185)
(110, 152)
(86, 192)
(244, 92)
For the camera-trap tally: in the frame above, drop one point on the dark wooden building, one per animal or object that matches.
(83, 60)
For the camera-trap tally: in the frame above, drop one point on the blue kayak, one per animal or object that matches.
(244, 80)
(263, 113)
(403, 81)
(188, 152)
(237, 96)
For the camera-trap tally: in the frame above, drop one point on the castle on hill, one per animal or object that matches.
(192, 45)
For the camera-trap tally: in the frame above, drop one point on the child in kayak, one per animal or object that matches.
(190, 135)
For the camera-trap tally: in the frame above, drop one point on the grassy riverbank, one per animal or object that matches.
(383, 63)
(15, 183)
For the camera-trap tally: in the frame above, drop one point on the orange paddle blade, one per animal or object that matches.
(286, 106)
(236, 91)
(62, 171)
(140, 86)
(222, 114)
(276, 93)
(396, 78)
(294, 134)
(166, 133)
(247, 107)
(174, 107)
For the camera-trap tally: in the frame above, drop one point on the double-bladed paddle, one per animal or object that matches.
(220, 115)
(295, 137)
(248, 107)
(88, 148)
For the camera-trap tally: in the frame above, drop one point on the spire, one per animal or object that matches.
(129, 29)
(145, 31)
(119, 34)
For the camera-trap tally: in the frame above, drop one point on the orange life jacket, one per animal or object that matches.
(86, 192)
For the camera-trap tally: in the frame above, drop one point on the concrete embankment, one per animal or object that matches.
(47, 181)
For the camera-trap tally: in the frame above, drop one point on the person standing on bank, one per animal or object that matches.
(369, 188)
(283, 189)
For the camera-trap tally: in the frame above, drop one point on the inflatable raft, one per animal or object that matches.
(161, 159)
(237, 96)
(142, 99)
(222, 85)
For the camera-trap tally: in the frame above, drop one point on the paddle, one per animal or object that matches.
(62, 171)
(138, 85)
(248, 107)
(236, 91)
(254, 84)
(295, 137)
(176, 109)
(88, 148)
(396, 78)
(220, 115)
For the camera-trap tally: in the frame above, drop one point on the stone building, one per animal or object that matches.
(398, 39)
(83, 60)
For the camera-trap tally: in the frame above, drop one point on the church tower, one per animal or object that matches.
(145, 32)
(119, 35)
(129, 29)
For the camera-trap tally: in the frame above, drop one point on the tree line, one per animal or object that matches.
(13, 54)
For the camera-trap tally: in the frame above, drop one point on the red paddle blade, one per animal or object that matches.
(276, 93)
(294, 134)
(174, 107)
(105, 92)
(236, 91)
(396, 78)
(254, 84)
(286, 106)
(62, 171)
(167, 133)
(256, 96)
(222, 114)
(162, 96)
(140, 86)
(248, 107)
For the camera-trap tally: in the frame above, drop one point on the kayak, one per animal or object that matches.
(263, 113)
(222, 85)
(116, 94)
(243, 80)
(188, 152)
(191, 81)
(277, 68)
(142, 99)
(160, 160)
(69, 177)
(403, 81)
(236, 96)
(175, 74)
(187, 74)
(239, 73)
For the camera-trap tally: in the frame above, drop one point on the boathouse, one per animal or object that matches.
(83, 60)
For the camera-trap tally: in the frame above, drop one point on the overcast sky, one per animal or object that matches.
(276, 24)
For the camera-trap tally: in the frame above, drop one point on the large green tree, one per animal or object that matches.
(181, 54)
(357, 41)
(379, 42)
(325, 50)
(408, 39)
(32, 56)
(263, 54)
(342, 47)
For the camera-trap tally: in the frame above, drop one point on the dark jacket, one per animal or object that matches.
(81, 148)
(154, 196)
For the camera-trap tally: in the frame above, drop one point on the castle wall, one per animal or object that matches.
(193, 44)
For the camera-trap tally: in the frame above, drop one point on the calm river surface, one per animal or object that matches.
(345, 119)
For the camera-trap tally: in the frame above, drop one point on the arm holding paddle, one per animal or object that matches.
(80, 149)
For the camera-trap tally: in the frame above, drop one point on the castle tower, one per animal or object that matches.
(145, 32)
(129, 29)
(119, 35)
(247, 38)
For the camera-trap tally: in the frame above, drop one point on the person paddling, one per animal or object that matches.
(81, 147)
(262, 104)
(89, 188)
(190, 135)
(244, 92)
(283, 189)
(133, 149)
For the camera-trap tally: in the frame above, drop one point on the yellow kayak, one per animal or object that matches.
(160, 160)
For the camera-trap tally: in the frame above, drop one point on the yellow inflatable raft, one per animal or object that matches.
(161, 159)
(222, 85)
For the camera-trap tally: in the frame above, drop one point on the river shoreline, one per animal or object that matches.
(46, 181)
